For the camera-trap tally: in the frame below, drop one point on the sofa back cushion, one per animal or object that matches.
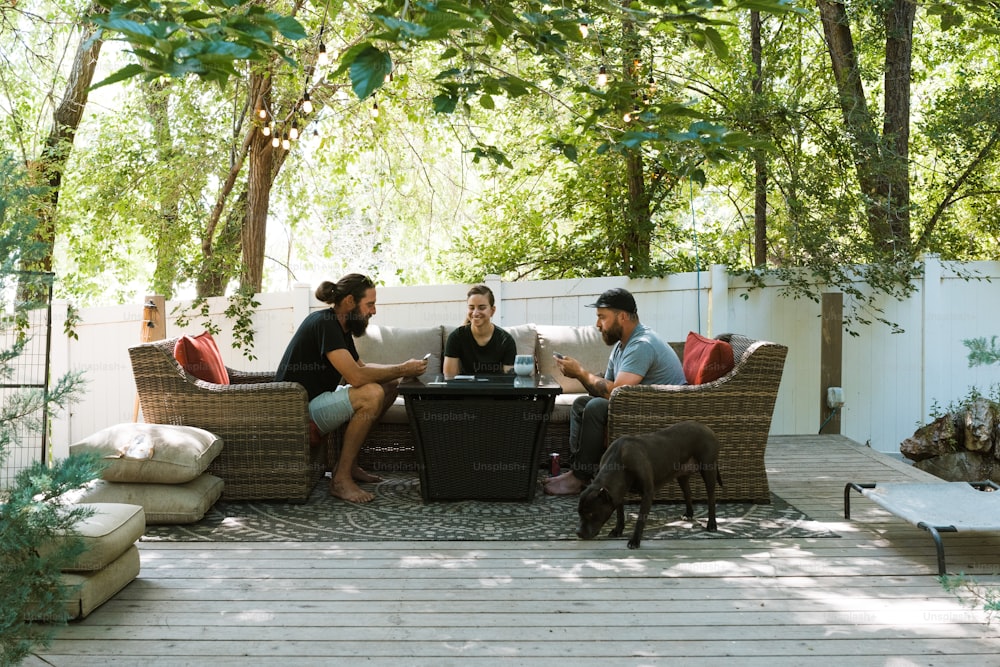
(199, 356)
(582, 343)
(393, 345)
(706, 359)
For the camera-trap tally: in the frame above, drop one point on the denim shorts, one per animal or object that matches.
(331, 408)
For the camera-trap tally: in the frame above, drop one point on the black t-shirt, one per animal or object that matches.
(305, 358)
(481, 360)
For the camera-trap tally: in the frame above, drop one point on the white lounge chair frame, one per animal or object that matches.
(937, 507)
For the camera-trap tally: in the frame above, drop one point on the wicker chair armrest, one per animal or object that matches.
(249, 377)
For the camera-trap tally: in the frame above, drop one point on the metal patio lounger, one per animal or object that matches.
(937, 507)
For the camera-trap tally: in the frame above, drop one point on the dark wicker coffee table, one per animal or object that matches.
(479, 438)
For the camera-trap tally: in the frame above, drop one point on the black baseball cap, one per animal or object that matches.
(617, 298)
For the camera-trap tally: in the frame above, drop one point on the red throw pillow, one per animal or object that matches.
(199, 356)
(706, 359)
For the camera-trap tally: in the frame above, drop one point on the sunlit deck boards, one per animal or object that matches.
(869, 597)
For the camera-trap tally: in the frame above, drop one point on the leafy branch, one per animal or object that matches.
(982, 352)
(177, 38)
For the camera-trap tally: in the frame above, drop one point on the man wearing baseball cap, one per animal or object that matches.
(639, 356)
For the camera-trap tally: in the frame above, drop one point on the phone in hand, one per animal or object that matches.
(427, 356)
(557, 355)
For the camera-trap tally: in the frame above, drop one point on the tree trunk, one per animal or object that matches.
(759, 158)
(896, 128)
(59, 144)
(880, 162)
(157, 97)
(638, 237)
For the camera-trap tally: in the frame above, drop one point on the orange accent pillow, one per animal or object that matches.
(706, 359)
(199, 356)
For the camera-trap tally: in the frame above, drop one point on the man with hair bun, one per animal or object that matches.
(322, 353)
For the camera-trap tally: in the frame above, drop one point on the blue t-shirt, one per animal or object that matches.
(305, 359)
(646, 355)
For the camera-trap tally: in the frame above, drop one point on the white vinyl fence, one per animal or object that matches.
(892, 382)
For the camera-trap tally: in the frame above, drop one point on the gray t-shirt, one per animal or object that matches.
(645, 354)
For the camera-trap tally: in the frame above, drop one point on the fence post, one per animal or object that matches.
(932, 341)
(718, 301)
(60, 351)
(301, 302)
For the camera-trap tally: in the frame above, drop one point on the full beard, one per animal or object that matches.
(612, 335)
(356, 323)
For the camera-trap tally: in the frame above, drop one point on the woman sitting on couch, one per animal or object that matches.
(479, 347)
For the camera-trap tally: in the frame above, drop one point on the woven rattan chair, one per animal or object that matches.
(737, 406)
(264, 424)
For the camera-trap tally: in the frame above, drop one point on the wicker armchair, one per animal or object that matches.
(264, 424)
(737, 406)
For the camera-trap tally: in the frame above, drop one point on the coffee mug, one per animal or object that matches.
(524, 364)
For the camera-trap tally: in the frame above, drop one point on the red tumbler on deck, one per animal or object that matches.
(554, 468)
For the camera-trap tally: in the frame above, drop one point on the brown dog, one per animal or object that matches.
(643, 464)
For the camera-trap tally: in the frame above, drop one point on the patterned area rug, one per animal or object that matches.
(399, 514)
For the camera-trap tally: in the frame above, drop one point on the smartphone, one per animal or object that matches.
(558, 355)
(427, 356)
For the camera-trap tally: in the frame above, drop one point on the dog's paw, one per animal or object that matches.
(712, 526)
(615, 532)
(633, 544)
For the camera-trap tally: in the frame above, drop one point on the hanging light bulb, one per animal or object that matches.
(307, 105)
(627, 117)
(602, 76)
(293, 132)
(275, 141)
(584, 30)
(375, 109)
(322, 59)
(266, 130)
(262, 113)
(286, 143)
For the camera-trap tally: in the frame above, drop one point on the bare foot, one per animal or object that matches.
(349, 491)
(361, 475)
(566, 484)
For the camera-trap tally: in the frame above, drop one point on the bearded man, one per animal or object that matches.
(639, 356)
(322, 353)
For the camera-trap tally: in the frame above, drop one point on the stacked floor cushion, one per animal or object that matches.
(110, 559)
(158, 466)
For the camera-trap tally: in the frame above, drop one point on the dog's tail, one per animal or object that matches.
(718, 476)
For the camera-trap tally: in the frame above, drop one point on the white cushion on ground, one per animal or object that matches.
(154, 453)
(164, 503)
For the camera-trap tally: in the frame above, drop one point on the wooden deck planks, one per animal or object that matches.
(869, 596)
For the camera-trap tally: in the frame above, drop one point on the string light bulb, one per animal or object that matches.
(275, 141)
(262, 112)
(375, 109)
(602, 76)
(307, 105)
(322, 59)
(293, 132)
(584, 30)
(266, 130)
(286, 143)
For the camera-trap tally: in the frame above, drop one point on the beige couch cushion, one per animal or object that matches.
(163, 503)
(106, 534)
(392, 345)
(89, 590)
(156, 453)
(582, 343)
(525, 338)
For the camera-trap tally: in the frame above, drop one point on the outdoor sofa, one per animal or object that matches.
(738, 406)
(269, 451)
